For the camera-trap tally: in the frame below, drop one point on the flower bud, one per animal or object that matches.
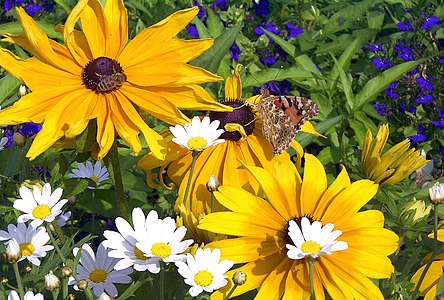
(70, 297)
(22, 91)
(82, 284)
(27, 269)
(13, 252)
(212, 184)
(66, 271)
(436, 193)
(72, 200)
(52, 282)
(105, 296)
(415, 211)
(19, 140)
(239, 278)
(4, 280)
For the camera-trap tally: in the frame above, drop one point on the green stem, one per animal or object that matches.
(64, 288)
(434, 253)
(212, 202)
(231, 291)
(54, 243)
(113, 165)
(193, 164)
(310, 273)
(162, 282)
(58, 231)
(18, 278)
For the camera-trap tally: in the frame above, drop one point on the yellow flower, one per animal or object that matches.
(430, 283)
(97, 75)
(395, 164)
(243, 142)
(264, 234)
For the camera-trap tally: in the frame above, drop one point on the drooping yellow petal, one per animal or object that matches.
(233, 85)
(95, 28)
(117, 20)
(77, 50)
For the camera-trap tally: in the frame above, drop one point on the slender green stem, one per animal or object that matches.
(193, 164)
(212, 202)
(18, 278)
(434, 253)
(113, 165)
(231, 291)
(58, 231)
(64, 288)
(54, 243)
(310, 273)
(162, 282)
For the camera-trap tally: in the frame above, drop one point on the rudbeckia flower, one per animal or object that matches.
(243, 142)
(97, 75)
(303, 220)
(395, 164)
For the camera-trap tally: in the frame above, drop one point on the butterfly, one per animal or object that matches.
(283, 116)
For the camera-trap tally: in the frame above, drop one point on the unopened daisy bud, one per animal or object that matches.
(66, 271)
(70, 297)
(22, 91)
(4, 280)
(239, 278)
(13, 252)
(27, 269)
(436, 193)
(82, 284)
(52, 282)
(212, 184)
(415, 211)
(19, 140)
(105, 296)
(72, 200)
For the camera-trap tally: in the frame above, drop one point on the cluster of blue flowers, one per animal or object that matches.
(32, 7)
(26, 130)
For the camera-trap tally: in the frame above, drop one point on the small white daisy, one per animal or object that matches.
(3, 142)
(313, 239)
(204, 271)
(96, 173)
(162, 241)
(99, 271)
(124, 242)
(39, 205)
(197, 135)
(28, 296)
(32, 241)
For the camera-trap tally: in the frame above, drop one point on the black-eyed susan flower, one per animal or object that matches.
(98, 75)
(303, 222)
(243, 142)
(394, 165)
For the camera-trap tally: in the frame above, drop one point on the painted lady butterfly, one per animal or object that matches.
(282, 117)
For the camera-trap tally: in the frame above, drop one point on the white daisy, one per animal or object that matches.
(99, 271)
(197, 135)
(204, 271)
(96, 173)
(162, 241)
(28, 296)
(39, 205)
(32, 241)
(124, 242)
(313, 240)
(3, 142)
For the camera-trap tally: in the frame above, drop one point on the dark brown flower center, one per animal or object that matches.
(242, 114)
(103, 75)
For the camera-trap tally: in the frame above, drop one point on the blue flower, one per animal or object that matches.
(429, 22)
(441, 151)
(201, 12)
(439, 123)
(30, 129)
(382, 109)
(8, 132)
(293, 31)
(222, 4)
(406, 26)
(261, 8)
(192, 30)
(382, 63)
(376, 47)
(390, 91)
(423, 99)
(412, 109)
(419, 137)
(406, 53)
(424, 83)
(235, 51)
(268, 26)
(441, 60)
(33, 9)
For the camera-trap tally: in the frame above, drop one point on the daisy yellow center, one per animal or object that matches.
(203, 278)
(94, 178)
(27, 249)
(161, 250)
(98, 275)
(311, 247)
(41, 211)
(139, 254)
(197, 143)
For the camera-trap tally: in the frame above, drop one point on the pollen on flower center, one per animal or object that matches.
(27, 249)
(197, 143)
(98, 275)
(203, 278)
(242, 114)
(311, 247)
(41, 211)
(94, 178)
(161, 250)
(103, 75)
(139, 254)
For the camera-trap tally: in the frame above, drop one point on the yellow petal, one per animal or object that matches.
(314, 184)
(233, 85)
(117, 33)
(105, 128)
(308, 127)
(95, 28)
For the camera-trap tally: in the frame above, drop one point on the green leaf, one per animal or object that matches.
(211, 59)
(214, 23)
(346, 83)
(379, 83)
(440, 289)
(375, 19)
(264, 76)
(346, 16)
(203, 31)
(359, 129)
(8, 85)
(305, 138)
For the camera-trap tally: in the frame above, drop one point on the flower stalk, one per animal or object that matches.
(193, 164)
(18, 278)
(310, 274)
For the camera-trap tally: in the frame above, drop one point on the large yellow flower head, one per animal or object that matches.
(395, 164)
(276, 252)
(243, 142)
(97, 75)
